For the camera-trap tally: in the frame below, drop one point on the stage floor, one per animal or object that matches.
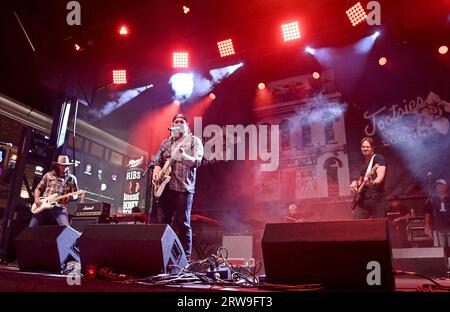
(14, 280)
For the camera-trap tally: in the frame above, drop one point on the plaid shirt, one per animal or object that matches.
(183, 177)
(51, 184)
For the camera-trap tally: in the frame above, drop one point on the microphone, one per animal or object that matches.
(173, 128)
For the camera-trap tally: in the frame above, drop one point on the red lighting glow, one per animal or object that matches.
(186, 9)
(225, 47)
(261, 85)
(77, 47)
(212, 96)
(316, 75)
(180, 60)
(119, 76)
(356, 14)
(291, 31)
(382, 61)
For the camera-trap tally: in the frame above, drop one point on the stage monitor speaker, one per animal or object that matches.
(46, 248)
(353, 254)
(140, 249)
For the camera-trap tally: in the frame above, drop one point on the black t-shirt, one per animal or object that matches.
(397, 211)
(379, 188)
(439, 208)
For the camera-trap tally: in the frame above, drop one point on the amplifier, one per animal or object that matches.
(93, 209)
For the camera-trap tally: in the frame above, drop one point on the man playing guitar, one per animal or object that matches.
(174, 178)
(369, 188)
(58, 181)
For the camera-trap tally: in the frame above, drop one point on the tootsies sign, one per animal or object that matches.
(133, 185)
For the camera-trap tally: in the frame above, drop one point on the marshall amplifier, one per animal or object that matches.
(100, 209)
(90, 213)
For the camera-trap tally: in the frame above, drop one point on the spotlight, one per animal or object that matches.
(316, 75)
(291, 31)
(225, 47)
(376, 34)
(186, 9)
(77, 47)
(356, 14)
(382, 61)
(212, 96)
(119, 76)
(180, 60)
(261, 85)
(443, 49)
(309, 50)
(123, 30)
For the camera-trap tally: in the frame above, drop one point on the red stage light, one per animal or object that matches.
(77, 47)
(123, 30)
(261, 86)
(316, 75)
(119, 76)
(186, 9)
(443, 49)
(291, 31)
(180, 60)
(356, 14)
(225, 47)
(382, 61)
(212, 96)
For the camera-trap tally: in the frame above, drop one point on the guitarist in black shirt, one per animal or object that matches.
(369, 202)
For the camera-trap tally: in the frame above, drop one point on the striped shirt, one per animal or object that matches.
(182, 176)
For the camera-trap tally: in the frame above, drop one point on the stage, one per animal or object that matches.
(14, 280)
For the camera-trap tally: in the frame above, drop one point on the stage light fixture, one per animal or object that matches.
(382, 61)
(225, 47)
(309, 50)
(119, 76)
(180, 60)
(291, 31)
(261, 85)
(443, 49)
(356, 14)
(77, 47)
(316, 75)
(186, 9)
(212, 96)
(123, 30)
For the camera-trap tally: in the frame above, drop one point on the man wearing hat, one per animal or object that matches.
(177, 197)
(61, 181)
(437, 214)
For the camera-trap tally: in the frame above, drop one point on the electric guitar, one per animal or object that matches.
(362, 187)
(164, 175)
(51, 200)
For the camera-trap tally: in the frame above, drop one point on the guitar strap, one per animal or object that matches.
(369, 167)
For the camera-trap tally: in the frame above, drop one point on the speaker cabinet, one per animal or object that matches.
(353, 254)
(46, 248)
(141, 249)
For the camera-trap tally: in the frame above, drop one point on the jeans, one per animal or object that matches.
(370, 208)
(58, 214)
(177, 205)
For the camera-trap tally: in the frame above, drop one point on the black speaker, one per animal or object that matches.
(140, 249)
(80, 223)
(46, 248)
(353, 254)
